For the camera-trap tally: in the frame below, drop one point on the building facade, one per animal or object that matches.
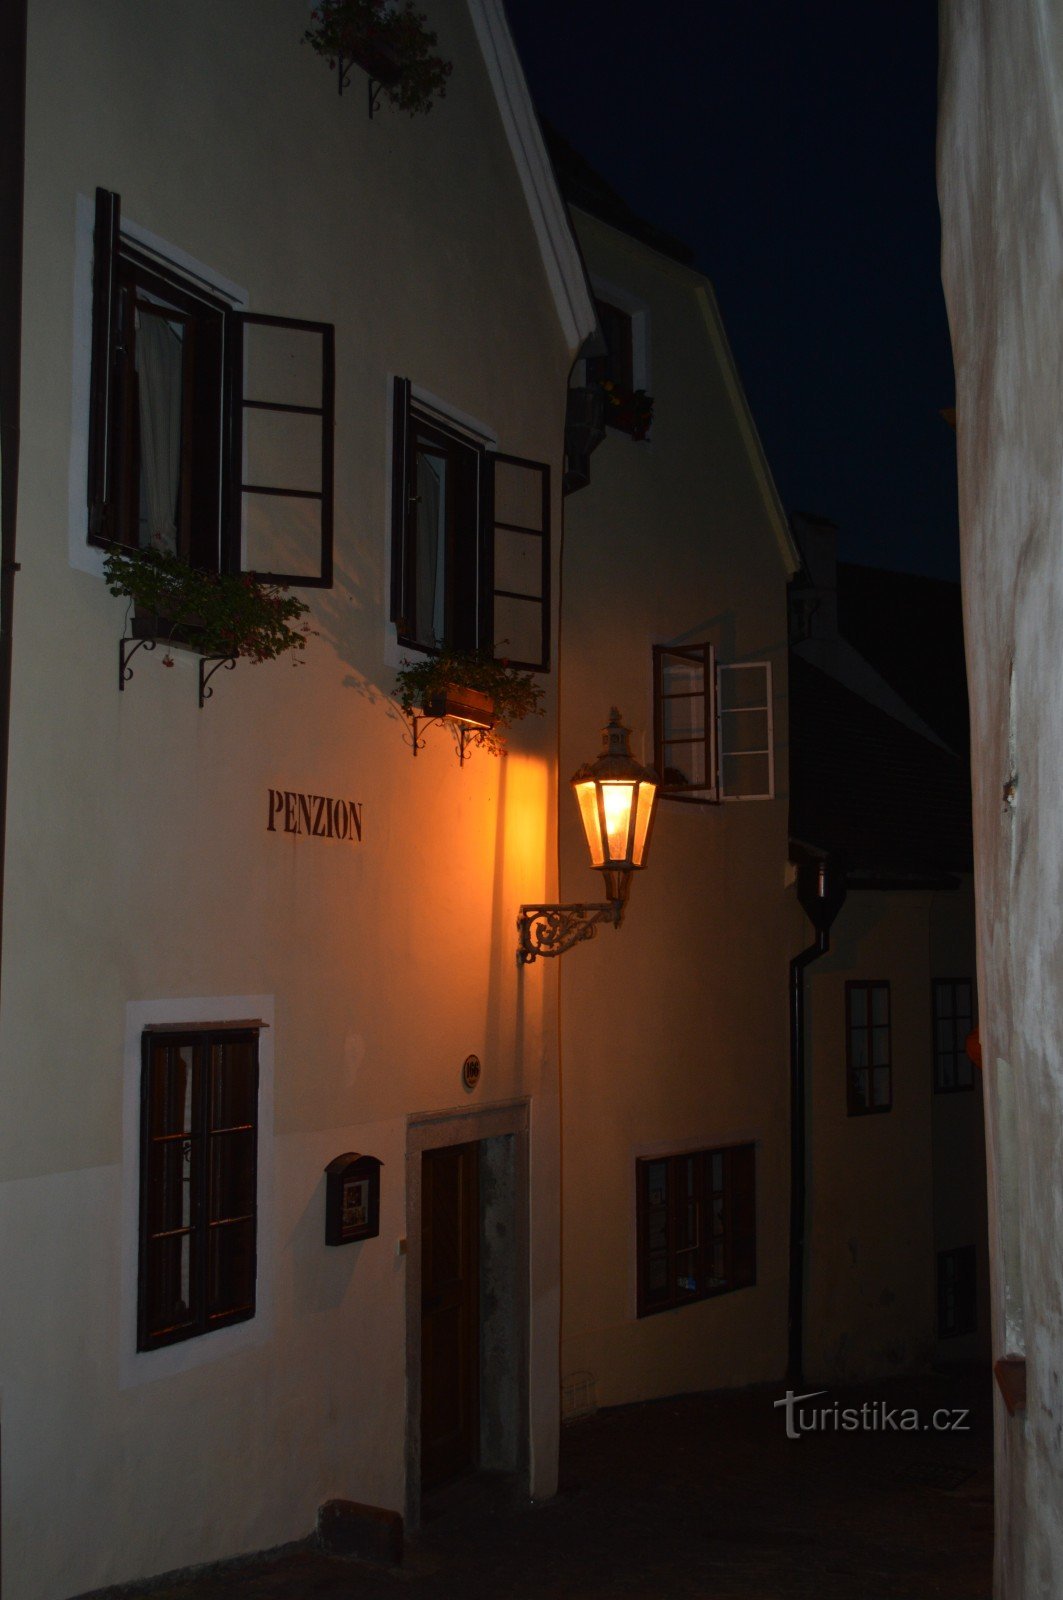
(251, 932)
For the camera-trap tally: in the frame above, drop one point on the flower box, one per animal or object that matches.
(461, 704)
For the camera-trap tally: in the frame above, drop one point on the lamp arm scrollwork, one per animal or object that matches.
(551, 930)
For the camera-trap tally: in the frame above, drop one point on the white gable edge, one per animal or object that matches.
(557, 246)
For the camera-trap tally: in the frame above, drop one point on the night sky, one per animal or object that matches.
(790, 143)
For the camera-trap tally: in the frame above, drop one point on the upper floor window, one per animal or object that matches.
(953, 1021)
(713, 734)
(198, 1182)
(618, 362)
(470, 546)
(868, 1047)
(697, 1226)
(210, 429)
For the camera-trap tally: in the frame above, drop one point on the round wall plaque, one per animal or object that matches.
(470, 1071)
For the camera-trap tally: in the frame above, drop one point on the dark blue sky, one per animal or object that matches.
(790, 143)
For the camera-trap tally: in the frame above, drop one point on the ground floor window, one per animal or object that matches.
(697, 1226)
(957, 1299)
(198, 1182)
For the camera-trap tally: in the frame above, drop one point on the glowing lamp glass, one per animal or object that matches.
(587, 795)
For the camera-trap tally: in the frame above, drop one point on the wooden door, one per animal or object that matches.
(450, 1312)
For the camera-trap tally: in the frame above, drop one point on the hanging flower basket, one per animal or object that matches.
(390, 42)
(630, 410)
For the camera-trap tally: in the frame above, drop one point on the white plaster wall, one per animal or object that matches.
(1000, 165)
(139, 862)
(674, 1027)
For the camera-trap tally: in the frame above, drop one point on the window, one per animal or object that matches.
(867, 1024)
(712, 726)
(198, 1170)
(470, 543)
(953, 1021)
(618, 363)
(957, 1298)
(210, 429)
(697, 1226)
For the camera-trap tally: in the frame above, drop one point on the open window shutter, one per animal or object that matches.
(515, 561)
(400, 504)
(104, 353)
(281, 415)
(684, 720)
(745, 739)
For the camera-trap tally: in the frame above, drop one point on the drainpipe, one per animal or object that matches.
(12, 161)
(821, 891)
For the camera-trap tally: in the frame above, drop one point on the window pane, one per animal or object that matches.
(159, 356)
(683, 717)
(282, 365)
(281, 534)
(858, 1048)
(170, 1186)
(945, 1039)
(518, 562)
(963, 999)
(657, 1284)
(519, 496)
(282, 449)
(681, 676)
(743, 687)
(858, 1006)
(746, 775)
(946, 1073)
(880, 1003)
(171, 1089)
(232, 1175)
(168, 1286)
(881, 1046)
(743, 731)
(234, 1086)
(518, 629)
(230, 1268)
(860, 1090)
(684, 763)
(882, 1086)
(964, 1072)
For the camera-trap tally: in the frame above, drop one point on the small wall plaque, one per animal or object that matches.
(352, 1198)
(470, 1071)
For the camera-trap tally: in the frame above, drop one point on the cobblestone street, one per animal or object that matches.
(700, 1496)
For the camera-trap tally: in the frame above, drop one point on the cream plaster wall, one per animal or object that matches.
(139, 864)
(673, 1028)
(870, 1306)
(1000, 158)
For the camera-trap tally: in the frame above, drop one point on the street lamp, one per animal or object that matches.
(617, 799)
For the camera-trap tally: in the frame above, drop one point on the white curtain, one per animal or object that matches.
(159, 370)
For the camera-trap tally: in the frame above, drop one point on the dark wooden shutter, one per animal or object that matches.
(104, 351)
(400, 505)
(280, 416)
(515, 561)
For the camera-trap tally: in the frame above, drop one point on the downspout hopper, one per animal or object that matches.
(821, 891)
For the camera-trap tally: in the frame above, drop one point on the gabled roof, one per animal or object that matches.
(557, 246)
(584, 187)
(865, 786)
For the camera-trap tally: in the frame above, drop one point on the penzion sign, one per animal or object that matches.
(318, 815)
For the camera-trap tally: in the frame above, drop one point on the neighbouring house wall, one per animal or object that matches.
(958, 1132)
(999, 169)
(673, 1028)
(140, 869)
(869, 1292)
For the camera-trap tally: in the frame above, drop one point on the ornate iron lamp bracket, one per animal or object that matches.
(127, 649)
(551, 930)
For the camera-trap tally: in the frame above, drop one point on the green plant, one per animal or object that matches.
(225, 614)
(390, 41)
(515, 694)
